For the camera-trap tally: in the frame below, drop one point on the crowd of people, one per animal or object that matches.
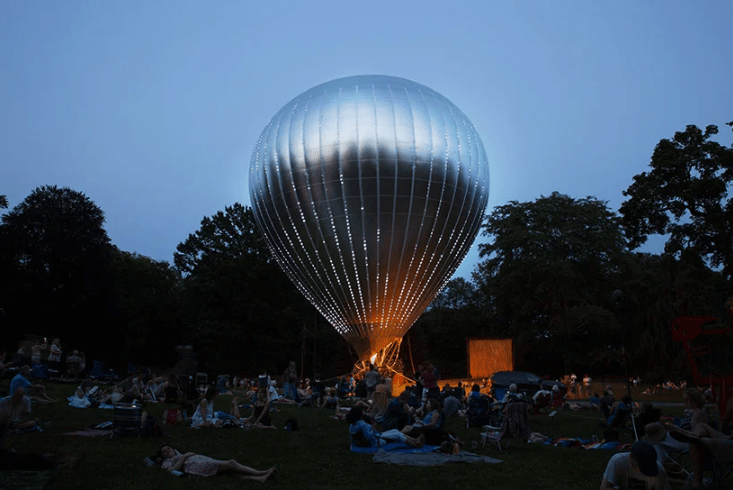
(416, 417)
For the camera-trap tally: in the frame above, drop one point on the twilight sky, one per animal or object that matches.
(153, 108)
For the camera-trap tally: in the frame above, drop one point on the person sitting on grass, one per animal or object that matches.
(15, 410)
(595, 402)
(363, 434)
(430, 425)
(623, 404)
(274, 396)
(199, 465)
(204, 415)
(36, 393)
(398, 413)
(331, 402)
(260, 418)
(222, 386)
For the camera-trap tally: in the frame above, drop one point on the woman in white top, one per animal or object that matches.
(204, 415)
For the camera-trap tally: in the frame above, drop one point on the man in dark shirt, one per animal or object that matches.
(606, 403)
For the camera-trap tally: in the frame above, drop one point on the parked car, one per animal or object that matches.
(527, 383)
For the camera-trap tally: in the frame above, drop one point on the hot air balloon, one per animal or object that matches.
(370, 191)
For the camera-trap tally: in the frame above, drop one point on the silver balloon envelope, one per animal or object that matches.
(370, 191)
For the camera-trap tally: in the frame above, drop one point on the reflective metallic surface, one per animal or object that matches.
(370, 191)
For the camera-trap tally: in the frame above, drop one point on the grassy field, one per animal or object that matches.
(317, 456)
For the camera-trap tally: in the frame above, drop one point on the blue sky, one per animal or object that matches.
(153, 108)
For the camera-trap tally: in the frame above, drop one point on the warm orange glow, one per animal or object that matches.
(487, 356)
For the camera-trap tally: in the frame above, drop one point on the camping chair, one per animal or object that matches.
(670, 454)
(96, 371)
(202, 379)
(478, 412)
(515, 424)
(40, 373)
(620, 422)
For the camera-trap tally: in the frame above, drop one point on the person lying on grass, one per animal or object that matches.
(197, 464)
(363, 434)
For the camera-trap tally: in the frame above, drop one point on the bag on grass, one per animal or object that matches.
(171, 416)
(291, 424)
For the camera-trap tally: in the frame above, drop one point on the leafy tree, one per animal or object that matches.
(3, 201)
(547, 275)
(685, 195)
(440, 333)
(144, 307)
(54, 250)
(240, 310)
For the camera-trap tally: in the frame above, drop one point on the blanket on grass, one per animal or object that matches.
(395, 447)
(89, 433)
(587, 443)
(430, 459)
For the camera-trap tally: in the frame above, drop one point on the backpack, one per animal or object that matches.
(171, 416)
(152, 428)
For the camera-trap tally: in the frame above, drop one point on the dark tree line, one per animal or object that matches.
(547, 273)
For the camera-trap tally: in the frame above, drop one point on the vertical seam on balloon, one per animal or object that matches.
(321, 297)
(342, 315)
(414, 298)
(394, 206)
(457, 244)
(328, 305)
(366, 315)
(359, 317)
(379, 208)
(434, 259)
(407, 223)
(346, 212)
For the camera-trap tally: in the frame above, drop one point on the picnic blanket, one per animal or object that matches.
(586, 443)
(430, 459)
(394, 447)
(89, 433)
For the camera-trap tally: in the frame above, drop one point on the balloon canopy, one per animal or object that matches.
(370, 191)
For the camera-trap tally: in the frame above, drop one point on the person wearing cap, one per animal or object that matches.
(635, 468)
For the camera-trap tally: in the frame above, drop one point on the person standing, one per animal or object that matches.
(586, 384)
(290, 377)
(573, 383)
(371, 378)
(54, 357)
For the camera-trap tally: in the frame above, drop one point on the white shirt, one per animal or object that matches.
(620, 470)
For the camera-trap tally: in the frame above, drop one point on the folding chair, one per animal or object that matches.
(670, 451)
(96, 371)
(201, 379)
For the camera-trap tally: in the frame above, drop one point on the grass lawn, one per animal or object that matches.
(317, 456)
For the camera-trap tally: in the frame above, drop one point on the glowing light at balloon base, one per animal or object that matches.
(386, 359)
